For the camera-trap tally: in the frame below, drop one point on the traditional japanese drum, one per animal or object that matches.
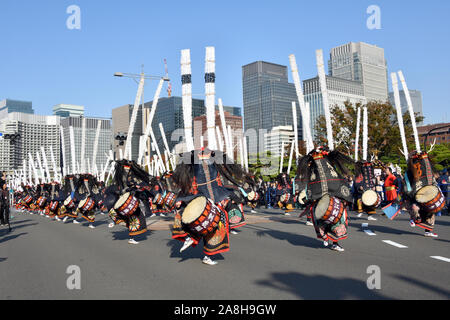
(329, 209)
(127, 204)
(201, 216)
(54, 205)
(301, 196)
(41, 201)
(170, 200)
(285, 198)
(68, 203)
(430, 199)
(371, 198)
(158, 199)
(28, 199)
(86, 205)
(253, 196)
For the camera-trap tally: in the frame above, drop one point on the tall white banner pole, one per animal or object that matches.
(186, 81)
(210, 94)
(398, 108)
(324, 90)
(358, 124)
(411, 111)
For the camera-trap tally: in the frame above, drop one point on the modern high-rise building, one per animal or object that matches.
(268, 97)
(91, 125)
(275, 139)
(121, 118)
(339, 91)
(361, 62)
(68, 110)
(9, 106)
(416, 100)
(34, 132)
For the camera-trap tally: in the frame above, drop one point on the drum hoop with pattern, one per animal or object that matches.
(127, 204)
(201, 215)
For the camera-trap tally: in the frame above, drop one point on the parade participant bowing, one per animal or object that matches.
(203, 199)
(327, 193)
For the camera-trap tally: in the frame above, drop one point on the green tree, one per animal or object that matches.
(383, 131)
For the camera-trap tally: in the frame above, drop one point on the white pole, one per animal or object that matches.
(241, 153)
(83, 145)
(294, 120)
(187, 97)
(97, 137)
(227, 139)
(72, 150)
(230, 138)
(166, 145)
(41, 170)
(290, 157)
(128, 153)
(282, 157)
(305, 114)
(399, 113)
(244, 142)
(365, 133)
(210, 87)
(63, 151)
(148, 128)
(324, 90)
(47, 170)
(411, 111)
(219, 139)
(358, 124)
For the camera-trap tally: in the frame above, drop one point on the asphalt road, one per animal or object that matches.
(273, 257)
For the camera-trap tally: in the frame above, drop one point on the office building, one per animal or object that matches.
(339, 91)
(275, 139)
(68, 110)
(10, 106)
(104, 142)
(35, 131)
(268, 97)
(364, 63)
(416, 100)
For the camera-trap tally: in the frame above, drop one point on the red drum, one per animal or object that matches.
(68, 203)
(285, 198)
(41, 201)
(86, 205)
(430, 199)
(329, 209)
(54, 205)
(28, 199)
(127, 204)
(201, 216)
(253, 196)
(170, 200)
(371, 199)
(158, 199)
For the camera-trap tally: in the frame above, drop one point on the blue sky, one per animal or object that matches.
(41, 60)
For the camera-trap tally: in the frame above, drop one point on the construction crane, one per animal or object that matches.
(169, 87)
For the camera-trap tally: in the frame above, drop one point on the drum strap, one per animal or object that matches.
(208, 178)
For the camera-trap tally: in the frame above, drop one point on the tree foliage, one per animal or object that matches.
(383, 131)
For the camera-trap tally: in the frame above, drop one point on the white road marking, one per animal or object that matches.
(440, 258)
(369, 232)
(395, 244)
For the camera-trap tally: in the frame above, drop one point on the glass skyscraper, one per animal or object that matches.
(268, 97)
